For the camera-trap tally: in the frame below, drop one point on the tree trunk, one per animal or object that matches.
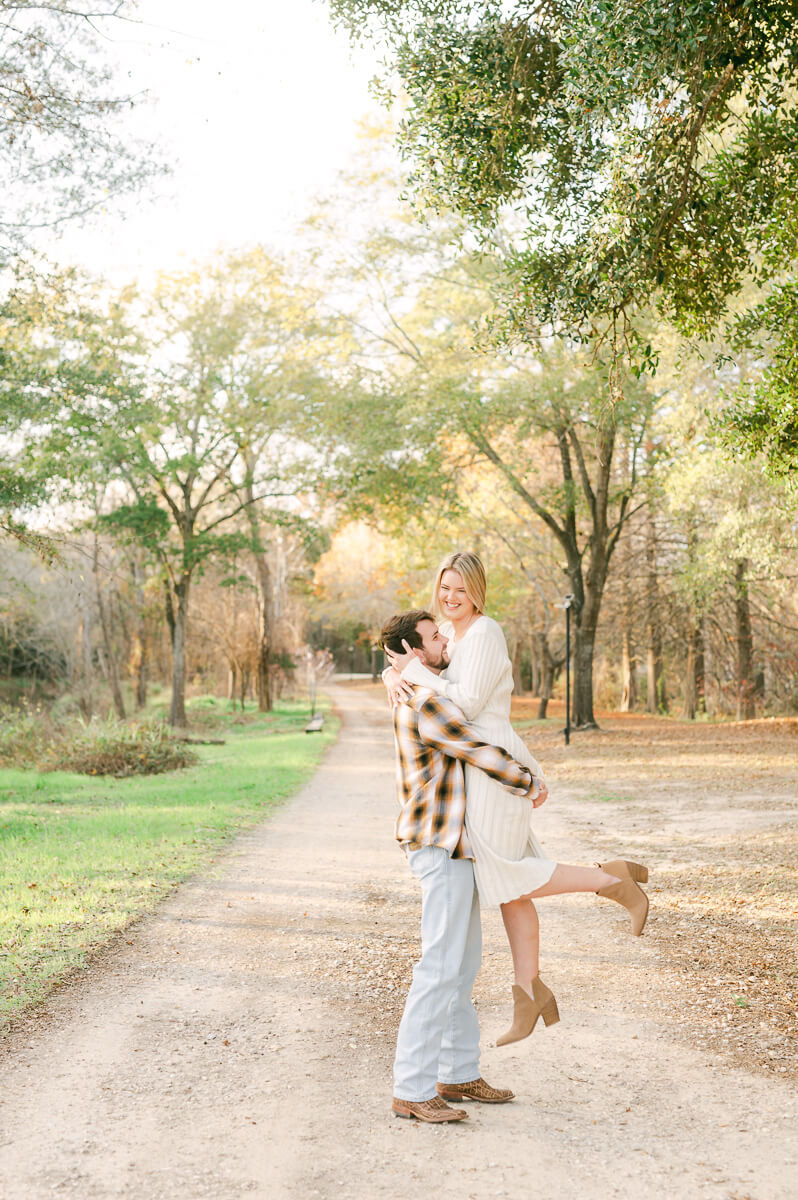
(588, 586)
(694, 697)
(588, 593)
(263, 675)
(177, 709)
(746, 708)
(628, 661)
(232, 677)
(518, 683)
(628, 678)
(105, 628)
(265, 687)
(656, 698)
(628, 657)
(141, 654)
(551, 665)
(535, 669)
(582, 716)
(549, 670)
(169, 609)
(86, 701)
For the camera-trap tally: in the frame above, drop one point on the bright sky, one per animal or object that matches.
(256, 104)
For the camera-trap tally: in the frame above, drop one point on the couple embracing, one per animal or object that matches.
(467, 789)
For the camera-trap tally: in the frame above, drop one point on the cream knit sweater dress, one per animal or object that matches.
(509, 861)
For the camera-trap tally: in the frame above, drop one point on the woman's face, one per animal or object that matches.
(455, 604)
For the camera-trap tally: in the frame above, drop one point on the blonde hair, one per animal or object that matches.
(469, 565)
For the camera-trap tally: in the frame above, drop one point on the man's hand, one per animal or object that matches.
(541, 796)
(400, 661)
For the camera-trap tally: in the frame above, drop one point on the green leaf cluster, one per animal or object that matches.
(645, 151)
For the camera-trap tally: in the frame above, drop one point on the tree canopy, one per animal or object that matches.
(644, 150)
(62, 150)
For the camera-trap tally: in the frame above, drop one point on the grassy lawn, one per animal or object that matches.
(81, 857)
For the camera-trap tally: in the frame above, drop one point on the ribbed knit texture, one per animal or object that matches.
(509, 860)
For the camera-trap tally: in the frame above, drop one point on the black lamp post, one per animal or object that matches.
(351, 661)
(567, 602)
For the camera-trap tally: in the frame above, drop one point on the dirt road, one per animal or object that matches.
(239, 1041)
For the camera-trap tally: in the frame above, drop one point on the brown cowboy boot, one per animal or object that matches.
(434, 1112)
(476, 1089)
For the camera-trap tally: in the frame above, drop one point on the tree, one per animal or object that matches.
(540, 419)
(645, 150)
(274, 382)
(695, 700)
(63, 148)
(737, 529)
(64, 151)
(763, 419)
(176, 407)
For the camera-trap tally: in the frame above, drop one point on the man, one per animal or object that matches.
(437, 1050)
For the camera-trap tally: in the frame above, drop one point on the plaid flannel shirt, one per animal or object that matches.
(433, 740)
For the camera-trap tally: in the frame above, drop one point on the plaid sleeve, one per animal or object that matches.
(442, 725)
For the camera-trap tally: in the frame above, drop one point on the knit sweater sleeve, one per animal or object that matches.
(484, 659)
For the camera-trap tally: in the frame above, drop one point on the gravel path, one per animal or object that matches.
(239, 1041)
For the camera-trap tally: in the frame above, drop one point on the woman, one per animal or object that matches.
(510, 866)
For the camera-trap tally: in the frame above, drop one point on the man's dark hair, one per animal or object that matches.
(403, 625)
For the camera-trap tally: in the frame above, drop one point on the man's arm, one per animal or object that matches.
(442, 725)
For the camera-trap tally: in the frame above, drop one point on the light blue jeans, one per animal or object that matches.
(439, 1031)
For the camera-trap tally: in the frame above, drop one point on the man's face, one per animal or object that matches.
(433, 651)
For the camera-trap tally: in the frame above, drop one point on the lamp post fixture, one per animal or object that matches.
(351, 661)
(567, 602)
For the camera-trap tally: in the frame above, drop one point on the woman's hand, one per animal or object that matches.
(398, 688)
(541, 796)
(400, 661)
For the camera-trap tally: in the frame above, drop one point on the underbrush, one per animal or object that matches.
(57, 738)
(121, 750)
(32, 738)
(25, 734)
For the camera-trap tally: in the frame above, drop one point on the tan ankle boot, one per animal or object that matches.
(623, 869)
(627, 891)
(527, 1009)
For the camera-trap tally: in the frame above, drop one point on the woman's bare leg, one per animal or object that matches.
(523, 933)
(567, 879)
(521, 919)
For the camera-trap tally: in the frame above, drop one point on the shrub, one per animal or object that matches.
(31, 738)
(25, 734)
(116, 749)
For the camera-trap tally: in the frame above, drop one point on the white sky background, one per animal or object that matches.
(255, 104)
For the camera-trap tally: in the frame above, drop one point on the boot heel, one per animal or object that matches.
(550, 1013)
(638, 872)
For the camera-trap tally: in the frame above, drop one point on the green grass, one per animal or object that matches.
(607, 798)
(81, 857)
(533, 723)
